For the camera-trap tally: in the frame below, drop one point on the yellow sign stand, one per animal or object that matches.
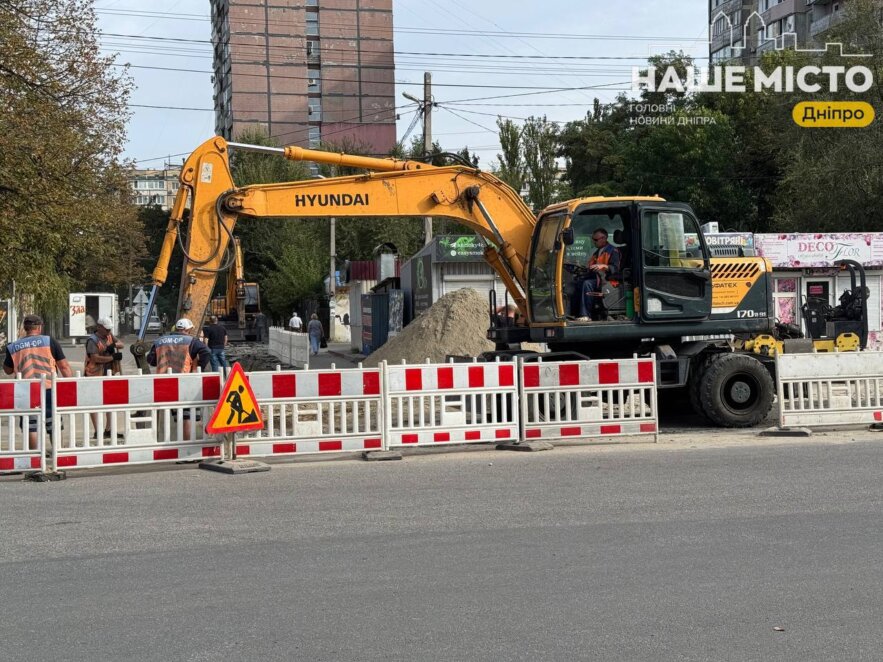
(237, 411)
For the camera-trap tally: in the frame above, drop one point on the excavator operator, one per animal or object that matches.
(605, 272)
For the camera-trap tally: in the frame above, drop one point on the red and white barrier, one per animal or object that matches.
(102, 421)
(22, 410)
(452, 403)
(588, 400)
(315, 411)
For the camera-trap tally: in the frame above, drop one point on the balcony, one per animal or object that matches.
(825, 23)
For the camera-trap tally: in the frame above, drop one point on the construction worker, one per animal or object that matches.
(36, 355)
(215, 336)
(180, 352)
(102, 354)
(605, 264)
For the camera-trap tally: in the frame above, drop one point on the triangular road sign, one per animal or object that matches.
(237, 409)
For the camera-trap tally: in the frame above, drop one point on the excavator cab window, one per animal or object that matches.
(675, 266)
(584, 224)
(543, 290)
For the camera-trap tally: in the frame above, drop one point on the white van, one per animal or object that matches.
(84, 308)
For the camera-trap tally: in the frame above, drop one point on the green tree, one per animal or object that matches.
(832, 178)
(511, 167)
(540, 144)
(67, 217)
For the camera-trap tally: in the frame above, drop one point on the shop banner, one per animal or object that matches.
(799, 251)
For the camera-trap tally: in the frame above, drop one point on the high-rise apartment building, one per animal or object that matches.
(305, 71)
(154, 187)
(742, 30)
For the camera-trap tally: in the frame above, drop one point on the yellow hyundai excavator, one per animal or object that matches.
(237, 307)
(673, 298)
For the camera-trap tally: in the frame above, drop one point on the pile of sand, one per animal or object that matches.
(456, 324)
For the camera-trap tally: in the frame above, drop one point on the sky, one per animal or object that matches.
(172, 109)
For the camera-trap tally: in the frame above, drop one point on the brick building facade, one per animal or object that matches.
(305, 71)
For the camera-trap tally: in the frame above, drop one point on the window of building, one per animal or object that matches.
(314, 81)
(315, 136)
(720, 26)
(312, 48)
(315, 110)
(312, 3)
(312, 23)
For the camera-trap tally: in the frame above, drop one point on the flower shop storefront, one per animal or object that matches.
(803, 268)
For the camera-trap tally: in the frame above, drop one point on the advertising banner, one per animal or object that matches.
(800, 251)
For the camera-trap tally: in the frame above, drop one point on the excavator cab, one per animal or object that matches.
(661, 270)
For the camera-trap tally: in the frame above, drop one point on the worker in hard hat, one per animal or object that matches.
(103, 351)
(180, 352)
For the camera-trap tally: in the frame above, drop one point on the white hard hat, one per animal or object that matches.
(184, 324)
(105, 322)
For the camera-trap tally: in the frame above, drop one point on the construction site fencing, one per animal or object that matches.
(316, 411)
(451, 403)
(22, 425)
(143, 419)
(133, 420)
(830, 389)
(292, 349)
(588, 400)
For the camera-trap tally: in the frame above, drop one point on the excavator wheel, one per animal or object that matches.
(732, 390)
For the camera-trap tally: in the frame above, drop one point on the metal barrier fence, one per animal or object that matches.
(316, 411)
(133, 420)
(453, 403)
(100, 421)
(290, 348)
(598, 400)
(22, 425)
(830, 389)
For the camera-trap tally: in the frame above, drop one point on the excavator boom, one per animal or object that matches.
(391, 188)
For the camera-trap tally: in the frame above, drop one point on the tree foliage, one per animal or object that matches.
(511, 167)
(539, 139)
(67, 220)
(739, 158)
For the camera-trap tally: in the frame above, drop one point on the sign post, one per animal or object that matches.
(237, 411)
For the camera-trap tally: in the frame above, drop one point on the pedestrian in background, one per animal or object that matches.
(296, 324)
(216, 338)
(102, 351)
(180, 352)
(36, 355)
(314, 328)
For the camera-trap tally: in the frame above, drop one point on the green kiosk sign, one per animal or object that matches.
(459, 248)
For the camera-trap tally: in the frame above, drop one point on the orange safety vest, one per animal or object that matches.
(173, 351)
(32, 357)
(602, 256)
(93, 369)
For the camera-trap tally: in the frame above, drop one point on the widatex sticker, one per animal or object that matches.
(833, 114)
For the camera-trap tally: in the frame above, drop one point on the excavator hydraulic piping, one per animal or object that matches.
(260, 149)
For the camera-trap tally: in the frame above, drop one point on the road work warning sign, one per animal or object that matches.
(237, 409)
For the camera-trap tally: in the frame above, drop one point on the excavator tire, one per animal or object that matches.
(693, 391)
(733, 390)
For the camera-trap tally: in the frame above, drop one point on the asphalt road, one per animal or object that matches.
(644, 553)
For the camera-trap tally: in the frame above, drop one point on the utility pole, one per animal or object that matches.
(332, 279)
(427, 141)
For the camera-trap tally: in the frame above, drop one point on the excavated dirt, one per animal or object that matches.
(456, 324)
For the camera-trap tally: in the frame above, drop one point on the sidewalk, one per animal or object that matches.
(340, 354)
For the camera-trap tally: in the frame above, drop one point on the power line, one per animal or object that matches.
(422, 30)
(546, 88)
(395, 52)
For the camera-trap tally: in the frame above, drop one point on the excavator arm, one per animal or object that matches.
(391, 188)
